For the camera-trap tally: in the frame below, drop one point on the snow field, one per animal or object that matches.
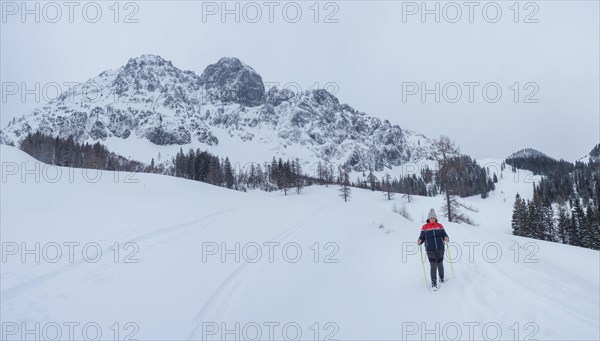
(159, 257)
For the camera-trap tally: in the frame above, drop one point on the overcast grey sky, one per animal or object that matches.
(370, 53)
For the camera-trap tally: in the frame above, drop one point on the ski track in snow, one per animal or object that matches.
(23, 287)
(220, 300)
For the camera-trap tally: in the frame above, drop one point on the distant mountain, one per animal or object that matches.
(528, 153)
(150, 99)
(538, 162)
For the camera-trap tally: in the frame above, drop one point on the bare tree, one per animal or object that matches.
(458, 216)
(444, 149)
(446, 153)
(402, 211)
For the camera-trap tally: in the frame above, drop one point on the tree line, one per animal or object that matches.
(205, 167)
(458, 175)
(566, 202)
(68, 153)
(562, 180)
(562, 223)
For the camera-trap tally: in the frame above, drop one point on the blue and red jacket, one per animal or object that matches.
(433, 234)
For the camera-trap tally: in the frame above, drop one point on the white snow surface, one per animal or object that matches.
(364, 283)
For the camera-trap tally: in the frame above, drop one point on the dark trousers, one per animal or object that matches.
(436, 260)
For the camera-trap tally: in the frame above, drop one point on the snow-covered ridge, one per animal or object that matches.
(594, 155)
(151, 99)
(528, 153)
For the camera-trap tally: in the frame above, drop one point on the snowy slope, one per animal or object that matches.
(366, 282)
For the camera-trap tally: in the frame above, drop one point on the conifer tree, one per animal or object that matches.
(345, 191)
(562, 224)
(228, 173)
(519, 216)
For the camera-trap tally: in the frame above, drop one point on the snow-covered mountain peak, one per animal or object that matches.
(324, 97)
(150, 99)
(148, 59)
(151, 73)
(275, 96)
(230, 80)
(147, 65)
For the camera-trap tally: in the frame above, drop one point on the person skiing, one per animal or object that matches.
(434, 236)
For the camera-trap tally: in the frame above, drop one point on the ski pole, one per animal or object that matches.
(450, 259)
(423, 263)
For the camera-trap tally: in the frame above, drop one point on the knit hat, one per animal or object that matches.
(431, 214)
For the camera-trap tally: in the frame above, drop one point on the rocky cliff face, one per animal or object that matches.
(151, 99)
